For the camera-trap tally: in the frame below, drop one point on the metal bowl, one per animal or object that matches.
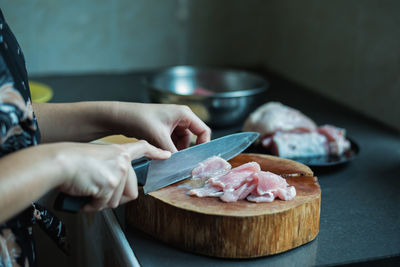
(220, 97)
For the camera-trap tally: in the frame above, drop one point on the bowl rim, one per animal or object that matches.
(147, 81)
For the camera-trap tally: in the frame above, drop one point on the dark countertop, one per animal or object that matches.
(360, 211)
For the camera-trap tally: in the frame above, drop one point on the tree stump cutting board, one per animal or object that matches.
(241, 229)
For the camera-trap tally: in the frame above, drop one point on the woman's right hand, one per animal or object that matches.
(104, 171)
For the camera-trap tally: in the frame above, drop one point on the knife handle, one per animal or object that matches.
(73, 204)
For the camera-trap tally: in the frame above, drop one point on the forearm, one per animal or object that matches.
(80, 121)
(27, 175)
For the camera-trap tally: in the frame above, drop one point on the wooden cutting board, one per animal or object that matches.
(232, 230)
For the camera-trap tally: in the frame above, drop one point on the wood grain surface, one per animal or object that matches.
(232, 230)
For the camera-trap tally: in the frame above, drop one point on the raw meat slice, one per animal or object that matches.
(250, 188)
(291, 145)
(286, 193)
(246, 181)
(235, 177)
(268, 197)
(232, 195)
(337, 142)
(268, 181)
(274, 116)
(211, 167)
(208, 190)
(269, 187)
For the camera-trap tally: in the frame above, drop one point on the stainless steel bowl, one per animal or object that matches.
(220, 97)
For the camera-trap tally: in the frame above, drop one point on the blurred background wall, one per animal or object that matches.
(346, 50)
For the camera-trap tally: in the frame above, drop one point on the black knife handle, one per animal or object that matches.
(141, 167)
(69, 203)
(73, 204)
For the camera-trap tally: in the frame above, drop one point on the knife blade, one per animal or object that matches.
(156, 174)
(179, 166)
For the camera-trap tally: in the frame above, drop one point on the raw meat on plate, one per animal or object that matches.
(274, 116)
(291, 145)
(288, 133)
(337, 142)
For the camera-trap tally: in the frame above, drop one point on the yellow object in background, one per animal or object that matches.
(40, 93)
(117, 139)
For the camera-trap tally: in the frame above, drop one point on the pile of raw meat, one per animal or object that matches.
(245, 181)
(288, 133)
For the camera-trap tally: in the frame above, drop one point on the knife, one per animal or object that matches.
(156, 174)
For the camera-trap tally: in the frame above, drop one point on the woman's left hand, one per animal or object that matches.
(168, 127)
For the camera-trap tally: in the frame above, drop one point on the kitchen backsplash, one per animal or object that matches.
(346, 50)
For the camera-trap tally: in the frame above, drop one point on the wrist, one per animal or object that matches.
(122, 117)
(103, 116)
(63, 160)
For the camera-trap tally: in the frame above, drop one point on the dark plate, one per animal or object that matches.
(320, 161)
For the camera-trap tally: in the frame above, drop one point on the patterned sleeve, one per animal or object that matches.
(18, 129)
(17, 123)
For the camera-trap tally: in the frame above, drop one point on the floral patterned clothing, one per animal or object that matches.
(18, 130)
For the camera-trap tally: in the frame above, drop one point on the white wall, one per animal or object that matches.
(347, 50)
(66, 36)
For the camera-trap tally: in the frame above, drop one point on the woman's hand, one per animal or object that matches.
(104, 171)
(101, 171)
(166, 126)
(169, 127)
